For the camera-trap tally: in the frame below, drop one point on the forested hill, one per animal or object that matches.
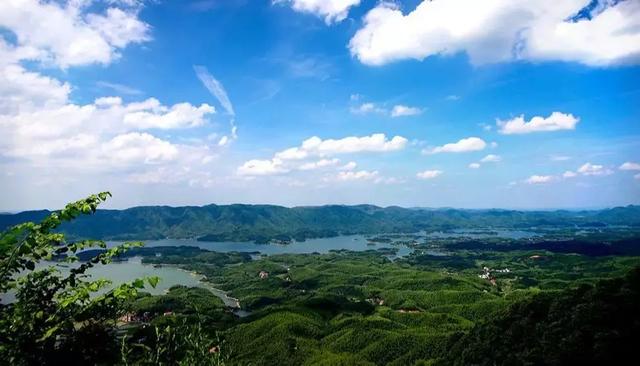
(263, 222)
(591, 325)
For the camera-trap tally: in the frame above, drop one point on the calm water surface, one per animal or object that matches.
(323, 245)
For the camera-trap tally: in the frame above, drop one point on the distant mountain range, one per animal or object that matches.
(262, 223)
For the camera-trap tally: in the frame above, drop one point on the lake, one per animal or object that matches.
(126, 271)
(322, 245)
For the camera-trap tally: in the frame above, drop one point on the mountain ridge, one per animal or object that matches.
(261, 223)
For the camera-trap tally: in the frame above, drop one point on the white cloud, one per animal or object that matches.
(181, 115)
(215, 88)
(539, 179)
(293, 153)
(228, 139)
(452, 97)
(485, 126)
(569, 174)
(314, 147)
(139, 147)
(330, 10)
(501, 30)
(464, 145)
(262, 167)
(322, 163)
(376, 142)
(555, 122)
(403, 110)
(429, 174)
(66, 34)
(357, 175)
(630, 166)
(119, 88)
(389, 180)
(474, 166)
(349, 166)
(491, 158)
(43, 131)
(594, 169)
(366, 108)
(560, 158)
(22, 90)
(99, 135)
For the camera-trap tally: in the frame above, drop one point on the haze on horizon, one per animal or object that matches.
(526, 105)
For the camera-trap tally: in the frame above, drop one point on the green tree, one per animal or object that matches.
(59, 315)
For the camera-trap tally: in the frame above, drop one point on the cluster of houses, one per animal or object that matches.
(487, 274)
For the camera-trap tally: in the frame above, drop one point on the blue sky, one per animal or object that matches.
(307, 102)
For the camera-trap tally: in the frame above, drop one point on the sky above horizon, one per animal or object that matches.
(456, 103)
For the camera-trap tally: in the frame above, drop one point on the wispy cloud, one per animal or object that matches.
(215, 88)
(119, 88)
(309, 67)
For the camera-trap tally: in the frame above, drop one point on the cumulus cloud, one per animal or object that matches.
(41, 127)
(376, 142)
(349, 166)
(594, 169)
(555, 122)
(586, 169)
(322, 163)
(464, 145)
(403, 110)
(103, 133)
(502, 30)
(181, 115)
(315, 147)
(24, 90)
(357, 175)
(67, 33)
(262, 167)
(429, 174)
(630, 166)
(136, 147)
(366, 108)
(331, 10)
(491, 158)
(539, 179)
